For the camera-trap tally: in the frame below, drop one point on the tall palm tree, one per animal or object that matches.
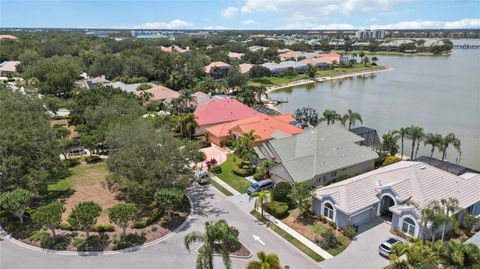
(260, 91)
(450, 208)
(330, 116)
(344, 119)
(419, 139)
(186, 100)
(365, 60)
(247, 96)
(402, 132)
(218, 238)
(266, 261)
(263, 197)
(432, 139)
(353, 117)
(448, 140)
(414, 133)
(185, 124)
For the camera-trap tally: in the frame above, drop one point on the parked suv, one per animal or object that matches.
(266, 184)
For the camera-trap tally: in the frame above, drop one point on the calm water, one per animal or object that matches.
(440, 94)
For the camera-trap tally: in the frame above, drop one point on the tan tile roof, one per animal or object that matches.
(219, 64)
(9, 66)
(160, 93)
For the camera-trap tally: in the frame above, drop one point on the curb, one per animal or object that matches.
(231, 256)
(108, 252)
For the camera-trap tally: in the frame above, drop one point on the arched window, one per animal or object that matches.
(328, 210)
(408, 226)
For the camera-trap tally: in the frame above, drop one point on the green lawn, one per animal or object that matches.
(220, 188)
(310, 253)
(238, 183)
(275, 81)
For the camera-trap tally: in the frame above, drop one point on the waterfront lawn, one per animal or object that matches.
(310, 253)
(276, 81)
(312, 228)
(237, 182)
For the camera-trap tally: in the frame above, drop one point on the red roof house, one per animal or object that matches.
(221, 111)
(263, 126)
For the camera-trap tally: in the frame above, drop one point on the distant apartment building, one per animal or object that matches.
(363, 34)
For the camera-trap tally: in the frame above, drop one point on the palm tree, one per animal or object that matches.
(374, 59)
(247, 96)
(365, 60)
(420, 139)
(330, 116)
(353, 117)
(266, 261)
(218, 238)
(414, 133)
(450, 208)
(402, 132)
(344, 119)
(263, 197)
(185, 124)
(260, 91)
(186, 100)
(432, 139)
(448, 140)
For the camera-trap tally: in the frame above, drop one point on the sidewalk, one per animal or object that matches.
(225, 185)
(320, 251)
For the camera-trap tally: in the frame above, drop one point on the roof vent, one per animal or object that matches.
(422, 167)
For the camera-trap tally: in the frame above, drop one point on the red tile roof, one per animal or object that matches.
(221, 111)
(263, 125)
(208, 68)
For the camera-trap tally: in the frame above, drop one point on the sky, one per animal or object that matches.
(242, 14)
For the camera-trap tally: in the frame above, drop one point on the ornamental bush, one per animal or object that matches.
(349, 232)
(57, 242)
(102, 228)
(277, 209)
(129, 240)
(329, 240)
(281, 191)
(242, 171)
(390, 160)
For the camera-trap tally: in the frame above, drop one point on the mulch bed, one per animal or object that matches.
(242, 252)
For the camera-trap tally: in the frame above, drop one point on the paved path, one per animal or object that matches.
(363, 251)
(209, 204)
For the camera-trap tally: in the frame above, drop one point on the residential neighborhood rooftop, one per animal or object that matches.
(160, 93)
(220, 111)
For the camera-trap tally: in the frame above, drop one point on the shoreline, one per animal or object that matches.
(323, 79)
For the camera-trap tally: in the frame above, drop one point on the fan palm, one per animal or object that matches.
(414, 133)
(434, 140)
(330, 116)
(448, 140)
(266, 261)
(218, 239)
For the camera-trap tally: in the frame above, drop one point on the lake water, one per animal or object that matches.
(439, 93)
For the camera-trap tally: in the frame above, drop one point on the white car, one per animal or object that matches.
(385, 248)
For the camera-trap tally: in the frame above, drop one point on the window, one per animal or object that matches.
(333, 174)
(408, 226)
(328, 210)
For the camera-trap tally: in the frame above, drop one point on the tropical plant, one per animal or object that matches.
(218, 238)
(329, 239)
(402, 133)
(168, 198)
(49, 216)
(311, 71)
(244, 145)
(185, 124)
(262, 198)
(300, 195)
(352, 117)
(330, 116)
(448, 140)
(415, 134)
(247, 96)
(418, 255)
(16, 202)
(265, 261)
(84, 216)
(307, 117)
(186, 100)
(389, 143)
(434, 140)
(365, 60)
(449, 208)
(455, 254)
(121, 214)
(374, 59)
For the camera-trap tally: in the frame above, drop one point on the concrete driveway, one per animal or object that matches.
(214, 152)
(363, 251)
(209, 204)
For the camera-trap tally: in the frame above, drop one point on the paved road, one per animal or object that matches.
(209, 204)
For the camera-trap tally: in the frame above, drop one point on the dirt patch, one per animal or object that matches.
(89, 184)
(64, 122)
(295, 222)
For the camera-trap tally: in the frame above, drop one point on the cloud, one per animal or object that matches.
(315, 26)
(466, 23)
(316, 8)
(173, 24)
(229, 12)
(373, 19)
(248, 22)
(215, 27)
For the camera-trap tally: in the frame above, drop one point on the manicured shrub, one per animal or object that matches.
(216, 169)
(349, 232)
(154, 228)
(332, 224)
(391, 160)
(139, 224)
(77, 242)
(95, 243)
(71, 162)
(329, 240)
(39, 235)
(277, 209)
(55, 242)
(74, 234)
(156, 214)
(281, 191)
(102, 228)
(65, 226)
(242, 171)
(93, 159)
(129, 240)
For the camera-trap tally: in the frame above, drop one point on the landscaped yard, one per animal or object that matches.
(228, 176)
(312, 229)
(275, 81)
